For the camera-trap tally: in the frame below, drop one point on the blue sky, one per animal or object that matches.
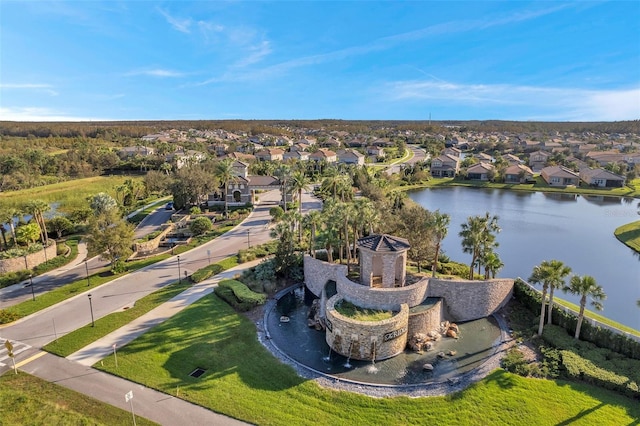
(181, 60)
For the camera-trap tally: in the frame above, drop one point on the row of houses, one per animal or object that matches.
(448, 165)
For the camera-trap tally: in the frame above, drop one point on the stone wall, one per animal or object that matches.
(425, 320)
(318, 272)
(366, 340)
(381, 298)
(151, 245)
(469, 300)
(33, 259)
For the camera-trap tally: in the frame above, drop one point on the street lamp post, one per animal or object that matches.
(33, 295)
(93, 323)
(248, 240)
(179, 277)
(86, 267)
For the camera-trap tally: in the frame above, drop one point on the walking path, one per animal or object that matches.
(103, 347)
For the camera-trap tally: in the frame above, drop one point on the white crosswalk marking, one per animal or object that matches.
(18, 347)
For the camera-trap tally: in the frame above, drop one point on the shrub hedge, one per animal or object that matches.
(206, 272)
(238, 295)
(598, 366)
(600, 336)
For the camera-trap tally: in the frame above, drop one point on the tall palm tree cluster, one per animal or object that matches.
(552, 275)
(479, 239)
(36, 209)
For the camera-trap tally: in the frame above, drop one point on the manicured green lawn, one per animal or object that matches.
(243, 380)
(26, 399)
(629, 234)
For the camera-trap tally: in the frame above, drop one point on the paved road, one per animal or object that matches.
(77, 269)
(419, 154)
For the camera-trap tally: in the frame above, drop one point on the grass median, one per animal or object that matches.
(86, 335)
(629, 234)
(243, 380)
(26, 399)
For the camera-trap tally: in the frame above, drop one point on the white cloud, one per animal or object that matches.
(47, 88)
(40, 114)
(571, 104)
(181, 24)
(158, 72)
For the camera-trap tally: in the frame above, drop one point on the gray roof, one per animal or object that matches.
(384, 242)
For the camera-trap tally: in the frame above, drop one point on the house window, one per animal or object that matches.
(555, 180)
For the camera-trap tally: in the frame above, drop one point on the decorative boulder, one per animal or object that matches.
(418, 341)
(427, 367)
(441, 355)
(452, 353)
(451, 333)
(454, 327)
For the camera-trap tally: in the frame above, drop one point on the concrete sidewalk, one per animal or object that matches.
(103, 347)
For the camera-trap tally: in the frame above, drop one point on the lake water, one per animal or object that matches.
(536, 226)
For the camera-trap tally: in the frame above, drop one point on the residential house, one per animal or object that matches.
(240, 156)
(324, 154)
(518, 173)
(376, 151)
(483, 158)
(181, 158)
(295, 154)
(349, 156)
(605, 157)
(538, 159)
(480, 171)
(218, 148)
(452, 150)
(512, 159)
(445, 165)
(601, 178)
(270, 154)
(559, 176)
(138, 150)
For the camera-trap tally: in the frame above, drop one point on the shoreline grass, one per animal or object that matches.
(629, 235)
(242, 375)
(539, 186)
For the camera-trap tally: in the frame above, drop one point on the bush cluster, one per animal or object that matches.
(238, 295)
(7, 316)
(258, 252)
(602, 367)
(454, 268)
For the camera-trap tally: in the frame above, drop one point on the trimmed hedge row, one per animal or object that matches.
(601, 367)
(600, 336)
(206, 272)
(239, 295)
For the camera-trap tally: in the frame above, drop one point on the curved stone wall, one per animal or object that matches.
(425, 320)
(318, 272)
(366, 340)
(33, 259)
(469, 300)
(381, 298)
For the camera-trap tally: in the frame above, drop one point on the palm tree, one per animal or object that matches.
(282, 172)
(492, 264)
(313, 220)
(440, 225)
(478, 236)
(37, 208)
(558, 272)
(298, 183)
(586, 286)
(540, 275)
(224, 173)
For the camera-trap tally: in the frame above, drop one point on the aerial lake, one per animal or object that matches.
(536, 226)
